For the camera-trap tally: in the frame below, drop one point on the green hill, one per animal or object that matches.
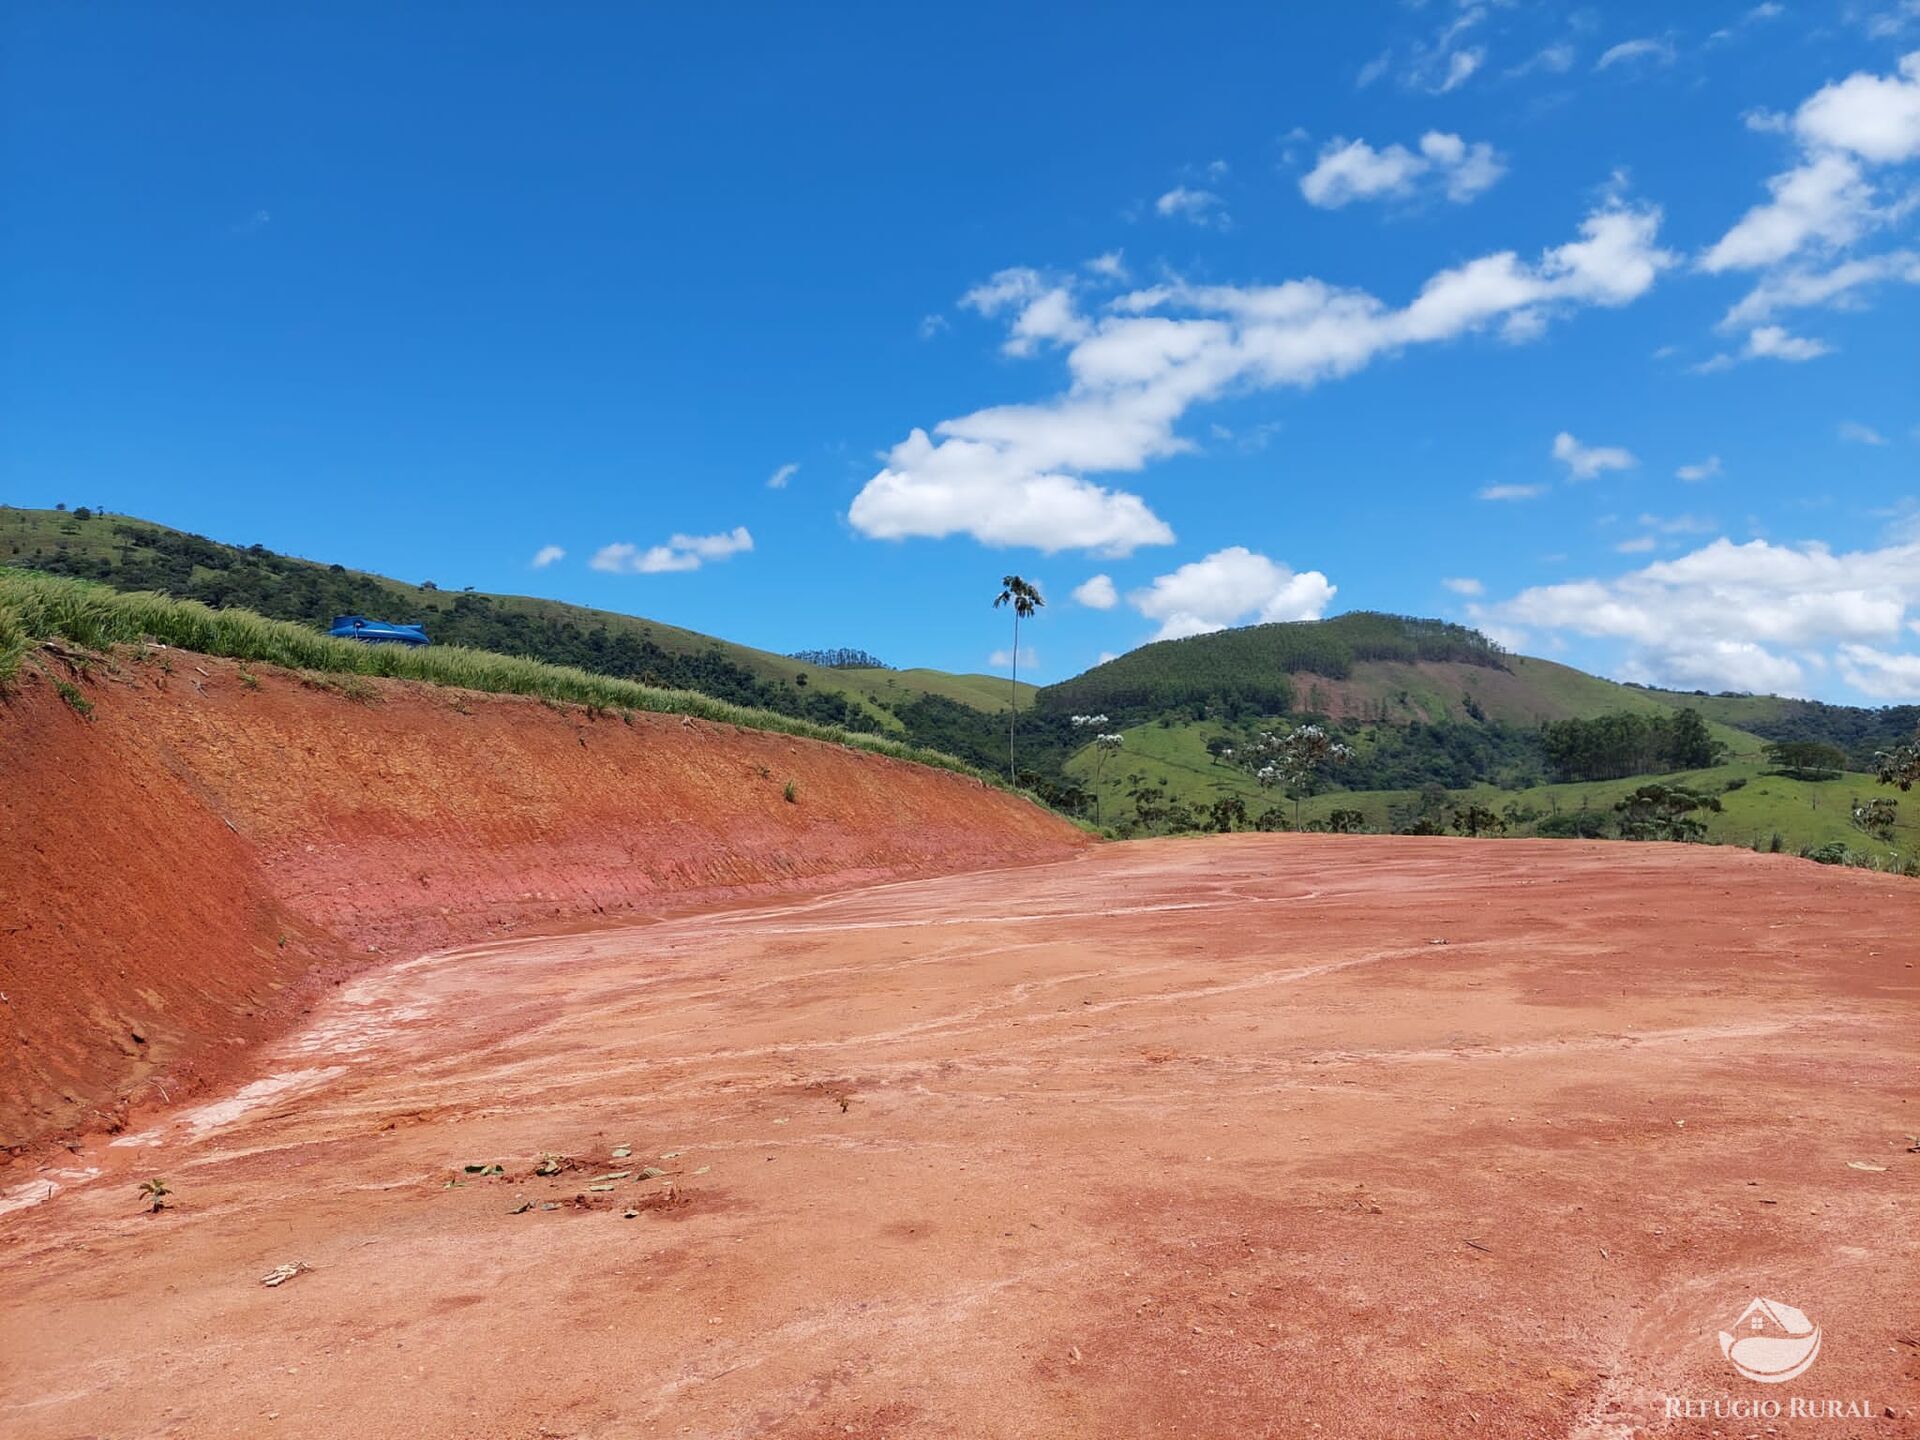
(132, 554)
(1426, 708)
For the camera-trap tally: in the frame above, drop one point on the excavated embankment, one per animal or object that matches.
(188, 863)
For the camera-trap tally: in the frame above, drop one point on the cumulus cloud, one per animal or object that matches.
(1827, 202)
(779, 478)
(1350, 170)
(1042, 309)
(1756, 616)
(1768, 342)
(547, 555)
(1110, 266)
(1198, 207)
(1017, 474)
(1229, 587)
(1465, 585)
(1585, 462)
(682, 552)
(1877, 117)
(1097, 593)
(1705, 469)
(1883, 675)
(1773, 342)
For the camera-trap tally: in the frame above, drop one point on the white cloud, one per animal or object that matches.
(681, 552)
(1465, 585)
(1706, 469)
(547, 555)
(932, 325)
(1657, 52)
(1512, 492)
(1826, 202)
(1002, 659)
(1442, 64)
(1555, 59)
(779, 478)
(1460, 67)
(1042, 310)
(1767, 342)
(1350, 170)
(1200, 207)
(1754, 616)
(1883, 675)
(1876, 117)
(1837, 286)
(1110, 266)
(1228, 587)
(1097, 593)
(1639, 545)
(1584, 462)
(1855, 433)
(1016, 474)
(1773, 342)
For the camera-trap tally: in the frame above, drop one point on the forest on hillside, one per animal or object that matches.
(1245, 671)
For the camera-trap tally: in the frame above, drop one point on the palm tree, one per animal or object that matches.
(1024, 599)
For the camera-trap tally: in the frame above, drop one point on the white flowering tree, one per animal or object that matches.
(1296, 759)
(1105, 745)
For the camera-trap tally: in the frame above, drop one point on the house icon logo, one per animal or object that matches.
(1771, 1342)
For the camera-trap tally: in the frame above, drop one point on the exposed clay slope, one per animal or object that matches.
(188, 858)
(1198, 1139)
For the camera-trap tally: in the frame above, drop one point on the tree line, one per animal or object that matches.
(1625, 742)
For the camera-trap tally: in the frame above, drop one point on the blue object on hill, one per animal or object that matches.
(376, 632)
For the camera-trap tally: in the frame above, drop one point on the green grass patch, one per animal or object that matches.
(36, 607)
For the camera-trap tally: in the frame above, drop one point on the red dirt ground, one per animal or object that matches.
(198, 859)
(1286, 1136)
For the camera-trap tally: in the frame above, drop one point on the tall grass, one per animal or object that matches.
(36, 608)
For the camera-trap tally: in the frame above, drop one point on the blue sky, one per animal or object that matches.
(1255, 311)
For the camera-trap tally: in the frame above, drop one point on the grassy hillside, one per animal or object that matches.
(130, 554)
(1806, 814)
(892, 687)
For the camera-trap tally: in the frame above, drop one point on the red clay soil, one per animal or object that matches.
(188, 866)
(1280, 1136)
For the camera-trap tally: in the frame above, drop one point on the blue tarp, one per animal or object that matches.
(376, 632)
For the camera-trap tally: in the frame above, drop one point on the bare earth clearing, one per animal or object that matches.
(1191, 1138)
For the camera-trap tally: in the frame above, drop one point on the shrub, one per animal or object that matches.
(1572, 825)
